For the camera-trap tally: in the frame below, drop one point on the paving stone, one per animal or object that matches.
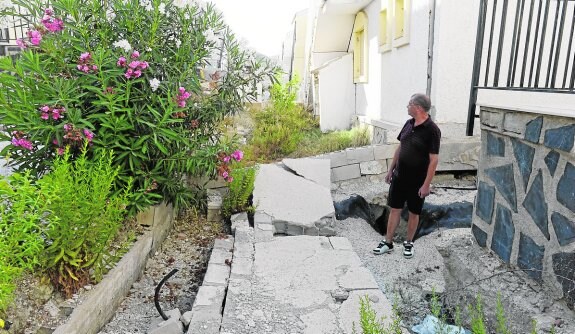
(530, 257)
(533, 130)
(210, 296)
(485, 201)
(347, 172)
(339, 243)
(224, 243)
(495, 145)
(357, 278)
(536, 205)
(504, 180)
(217, 275)
(242, 266)
(524, 155)
(220, 256)
(170, 326)
(316, 170)
(204, 322)
(244, 250)
(562, 138)
(502, 240)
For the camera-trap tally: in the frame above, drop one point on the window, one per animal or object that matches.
(360, 48)
(401, 22)
(384, 31)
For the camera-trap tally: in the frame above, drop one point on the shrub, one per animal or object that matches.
(22, 220)
(147, 79)
(239, 191)
(86, 217)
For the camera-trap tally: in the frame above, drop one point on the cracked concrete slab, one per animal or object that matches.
(316, 170)
(290, 198)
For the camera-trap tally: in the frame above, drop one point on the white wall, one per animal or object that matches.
(320, 58)
(336, 94)
(404, 69)
(455, 31)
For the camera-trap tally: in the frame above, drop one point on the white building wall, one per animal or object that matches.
(404, 69)
(336, 94)
(368, 94)
(454, 45)
(320, 58)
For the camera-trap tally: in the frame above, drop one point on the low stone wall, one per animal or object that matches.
(525, 205)
(101, 303)
(373, 161)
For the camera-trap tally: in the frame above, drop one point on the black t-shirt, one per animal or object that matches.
(417, 142)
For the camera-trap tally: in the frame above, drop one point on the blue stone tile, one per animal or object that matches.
(485, 200)
(495, 145)
(564, 228)
(564, 269)
(536, 204)
(551, 160)
(533, 130)
(479, 235)
(561, 138)
(504, 181)
(566, 188)
(502, 241)
(524, 156)
(530, 257)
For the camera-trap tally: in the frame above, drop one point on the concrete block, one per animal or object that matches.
(313, 231)
(459, 155)
(242, 268)
(337, 159)
(217, 275)
(347, 172)
(492, 118)
(219, 256)
(372, 167)
(360, 154)
(225, 244)
(162, 213)
(381, 152)
(217, 183)
(210, 297)
(214, 214)
(170, 326)
(204, 321)
(327, 232)
(244, 235)
(239, 224)
(294, 230)
(146, 217)
(263, 232)
(340, 243)
(243, 251)
(262, 217)
(236, 217)
(516, 123)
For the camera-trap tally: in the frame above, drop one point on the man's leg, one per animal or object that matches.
(392, 223)
(412, 223)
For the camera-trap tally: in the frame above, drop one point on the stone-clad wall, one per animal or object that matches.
(525, 205)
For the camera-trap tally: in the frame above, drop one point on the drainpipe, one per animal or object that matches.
(430, 42)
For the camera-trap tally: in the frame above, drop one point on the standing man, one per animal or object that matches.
(411, 171)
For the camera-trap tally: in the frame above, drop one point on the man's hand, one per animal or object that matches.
(424, 191)
(388, 177)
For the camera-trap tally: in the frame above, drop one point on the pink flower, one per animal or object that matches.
(129, 73)
(225, 174)
(35, 37)
(121, 62)
(134, 64)
(88, 134)
(60, 151)
(182, 97)
(49, 11)
(226, 158)
(230, 179)
(94, 68)
(24, 143)
(85, 57)
(55, 141)
(45, 109)
(21, 43)
(44, 116)
(137, 73)
(135, 55)
(237, 155)
(68, 127)
(144, 65)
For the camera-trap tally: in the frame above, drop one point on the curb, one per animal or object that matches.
(101, 303)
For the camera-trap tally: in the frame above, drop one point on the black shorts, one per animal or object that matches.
(402, 191)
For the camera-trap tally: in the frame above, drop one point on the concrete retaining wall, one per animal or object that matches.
(372, 161)
(525, 205)
(101, 303)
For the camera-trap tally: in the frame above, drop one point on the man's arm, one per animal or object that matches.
(393, 164)
(424, 190)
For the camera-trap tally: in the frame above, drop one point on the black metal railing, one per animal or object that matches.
(16, 29)
(524, 45)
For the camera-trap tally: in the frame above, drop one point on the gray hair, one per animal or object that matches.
(421, 100)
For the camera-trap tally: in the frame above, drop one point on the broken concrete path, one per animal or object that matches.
(296, 196)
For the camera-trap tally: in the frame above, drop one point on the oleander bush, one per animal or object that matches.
(147, 79)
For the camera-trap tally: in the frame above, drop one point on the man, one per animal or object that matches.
(411, 171)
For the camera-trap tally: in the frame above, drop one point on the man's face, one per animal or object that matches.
(411, 108)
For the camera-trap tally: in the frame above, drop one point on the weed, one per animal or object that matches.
(501, 318)
(240, 189)
(477, 317)
(368, 318)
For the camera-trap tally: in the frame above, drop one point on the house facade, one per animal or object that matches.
(365, 58)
